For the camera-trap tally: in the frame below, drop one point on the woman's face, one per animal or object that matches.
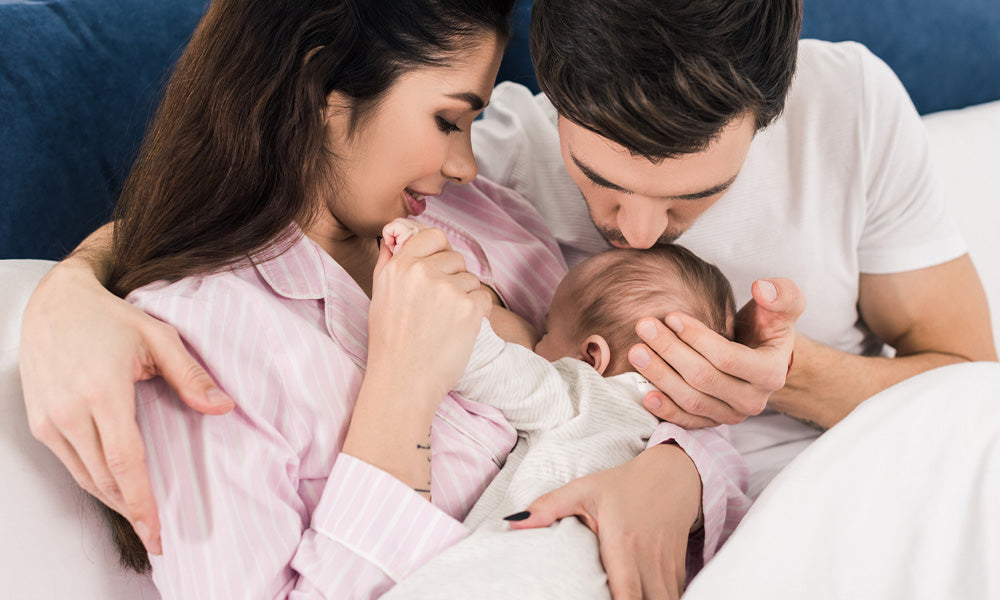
(413, 142)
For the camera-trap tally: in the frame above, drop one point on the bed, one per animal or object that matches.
(77, 82)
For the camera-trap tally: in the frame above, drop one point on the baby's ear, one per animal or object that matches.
(596, 353)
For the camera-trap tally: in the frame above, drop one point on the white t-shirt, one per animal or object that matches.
(841, 184)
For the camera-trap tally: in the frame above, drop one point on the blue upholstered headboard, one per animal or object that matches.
(78, 79)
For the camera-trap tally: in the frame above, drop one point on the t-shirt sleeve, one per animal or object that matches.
(908, 224)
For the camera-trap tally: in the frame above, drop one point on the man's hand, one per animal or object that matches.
(705, 379)
(82, 349)
(642, 513)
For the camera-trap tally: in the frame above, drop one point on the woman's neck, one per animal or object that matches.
(356, 255)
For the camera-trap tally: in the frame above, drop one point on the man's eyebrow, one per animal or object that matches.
(474, 100)
(712, 191)
(602, 182)
(595, 178)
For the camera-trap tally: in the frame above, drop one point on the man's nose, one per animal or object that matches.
(642, 221)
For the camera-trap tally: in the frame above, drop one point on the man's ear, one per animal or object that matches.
(596, 353)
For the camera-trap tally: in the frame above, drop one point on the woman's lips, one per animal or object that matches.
(415, 202)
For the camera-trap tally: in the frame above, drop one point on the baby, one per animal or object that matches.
(577, 406)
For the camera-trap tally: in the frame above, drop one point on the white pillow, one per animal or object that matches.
(54, 544)
(965, 145)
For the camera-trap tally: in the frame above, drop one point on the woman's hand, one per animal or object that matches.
(425, 313)
(705, 379)
(642, 512)
(82, 350)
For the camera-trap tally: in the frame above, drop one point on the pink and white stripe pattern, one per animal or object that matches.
(260, 503)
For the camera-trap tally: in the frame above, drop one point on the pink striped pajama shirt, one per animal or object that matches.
(260, 503)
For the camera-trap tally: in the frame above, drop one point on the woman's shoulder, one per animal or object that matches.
(505, 241)
(209, 292)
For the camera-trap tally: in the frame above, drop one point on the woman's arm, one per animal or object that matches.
(258, 503)
(81, 351)
(265, 487)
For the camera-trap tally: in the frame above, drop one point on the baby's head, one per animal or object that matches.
(596, 306)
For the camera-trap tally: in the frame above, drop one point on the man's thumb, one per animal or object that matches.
(190, 380)
(779, 296)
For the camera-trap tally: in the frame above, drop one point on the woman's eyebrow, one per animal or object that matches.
(475, 101)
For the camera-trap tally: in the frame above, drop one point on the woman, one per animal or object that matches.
(290, 133)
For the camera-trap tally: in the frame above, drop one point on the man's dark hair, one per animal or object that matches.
(663, 78)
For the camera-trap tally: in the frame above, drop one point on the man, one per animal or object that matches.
(683, 122)
(665, 121)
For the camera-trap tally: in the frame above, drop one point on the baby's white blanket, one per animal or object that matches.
(900, 500)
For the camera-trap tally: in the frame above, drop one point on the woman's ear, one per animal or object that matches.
(596, 353)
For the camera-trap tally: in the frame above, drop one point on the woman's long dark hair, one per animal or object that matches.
(237, 149)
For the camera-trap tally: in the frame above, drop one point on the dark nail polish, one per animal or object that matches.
(518, 516)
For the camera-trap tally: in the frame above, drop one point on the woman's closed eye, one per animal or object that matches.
(447, 126)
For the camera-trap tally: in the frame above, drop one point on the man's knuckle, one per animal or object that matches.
(119, 461)
(727, 362)
(43, 429)
(704, 377)
(107, 486)
(693, 403)
(731, 419)
(62, 416)
(664, 345)
(134, 505)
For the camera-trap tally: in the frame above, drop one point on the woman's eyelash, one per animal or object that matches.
(446, 125)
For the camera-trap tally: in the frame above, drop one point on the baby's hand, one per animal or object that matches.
(398, 231)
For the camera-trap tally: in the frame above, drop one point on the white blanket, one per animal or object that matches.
(900, 500)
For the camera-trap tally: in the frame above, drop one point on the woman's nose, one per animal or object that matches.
(460, 165)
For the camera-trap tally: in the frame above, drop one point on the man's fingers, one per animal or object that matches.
(771, 315)
(182, 372)
(123, 449)
(667, 410)
(66, 454)
(779, 296)
(719, 367)
(678, 380)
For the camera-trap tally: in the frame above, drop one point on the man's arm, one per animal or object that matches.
(932, 317)
(93, 255)
(81, 351)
